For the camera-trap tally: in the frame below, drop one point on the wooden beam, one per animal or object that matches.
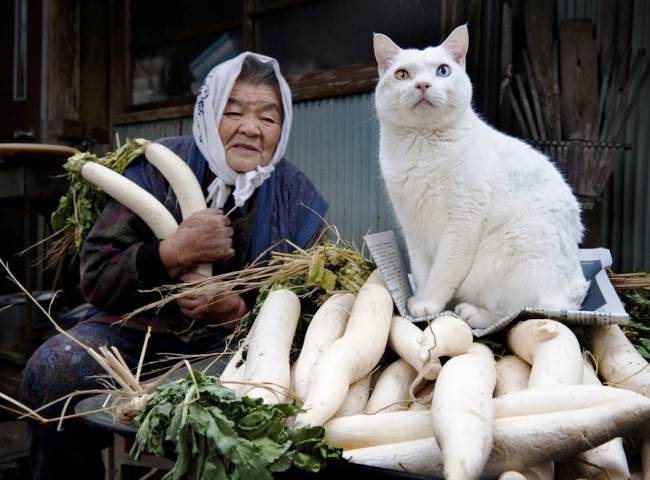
(579, 78)
(539, 21)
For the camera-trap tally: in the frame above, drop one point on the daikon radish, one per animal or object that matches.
(182, 181)
(519, 442)
(607, 461)
(561, 398)
(358, 431)
(267, 360)
(511, 475)
(404, 339)
(391, 392)
(544, 471)
(327, 325)
(461, 412)
(375, 278)
(235, 370)
(421, 457)
(512, 375)
(445, 337)
(619, 363)
(560, 435)
(551, 348)
(356, 399)
(133, 197)
(180, 177)
(423, 398)
(351, 357)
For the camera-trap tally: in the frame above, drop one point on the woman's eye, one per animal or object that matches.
(232, 114)
(401, 74)
(443, 71)
(269, 120)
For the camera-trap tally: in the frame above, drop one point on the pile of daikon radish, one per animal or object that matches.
(471, 416)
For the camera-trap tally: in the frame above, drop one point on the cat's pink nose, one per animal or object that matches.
(422, 85)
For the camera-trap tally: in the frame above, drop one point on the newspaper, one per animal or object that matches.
(601, 306)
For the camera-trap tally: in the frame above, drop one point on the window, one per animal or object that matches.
(164, 48)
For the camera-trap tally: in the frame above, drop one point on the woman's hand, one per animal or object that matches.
(203, 237)
(225, 312)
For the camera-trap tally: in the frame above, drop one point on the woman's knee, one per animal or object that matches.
(57, 368)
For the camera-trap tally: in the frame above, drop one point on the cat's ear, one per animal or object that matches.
(457, 43)
(385, 51)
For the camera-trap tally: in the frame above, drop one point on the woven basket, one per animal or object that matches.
(586, 164)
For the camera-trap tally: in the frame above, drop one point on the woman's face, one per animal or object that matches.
(250, 126)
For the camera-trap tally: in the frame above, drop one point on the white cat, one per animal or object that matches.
(490, 224)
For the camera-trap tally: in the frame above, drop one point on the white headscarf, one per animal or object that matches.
(208, 111)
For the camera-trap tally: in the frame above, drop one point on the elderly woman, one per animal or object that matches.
(242, 120)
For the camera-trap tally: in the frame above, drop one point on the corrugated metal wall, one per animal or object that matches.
(626, 207)
(335, 142)
(628, 203)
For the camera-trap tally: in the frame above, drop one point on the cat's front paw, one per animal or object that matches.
(419, 307)
(475, 317)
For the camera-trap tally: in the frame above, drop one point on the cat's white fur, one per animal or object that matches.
(490, 224)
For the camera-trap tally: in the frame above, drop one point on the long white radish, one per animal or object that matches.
(180, 177)
(512, 475)
(235, 370)
(362, 429)
(356, 399)
(619, 363)
(422, 400)
(327, 325)
(182, 181)
(519, 442)
(351, 357)
(358, 431)
(551, 348)
(543, 471)
(391, 392)
(512, 375)
(562, 435)
(540, 400)
(267, 360)
(462, 411)
(405, 339)
(553, 351)
(133, 197)
(375, 278)
(606, 461)
(445, 337)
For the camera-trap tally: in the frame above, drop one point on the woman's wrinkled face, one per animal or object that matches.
(250, 126)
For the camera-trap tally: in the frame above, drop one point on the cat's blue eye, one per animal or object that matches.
(443, 71)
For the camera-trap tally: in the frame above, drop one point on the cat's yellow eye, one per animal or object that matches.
(401, 74)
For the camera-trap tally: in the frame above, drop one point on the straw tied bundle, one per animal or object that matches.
(127, 394)
(567, 108)
(314, 274)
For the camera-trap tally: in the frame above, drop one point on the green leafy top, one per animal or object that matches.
(217, 435)
(637, 304)
(82, 204)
